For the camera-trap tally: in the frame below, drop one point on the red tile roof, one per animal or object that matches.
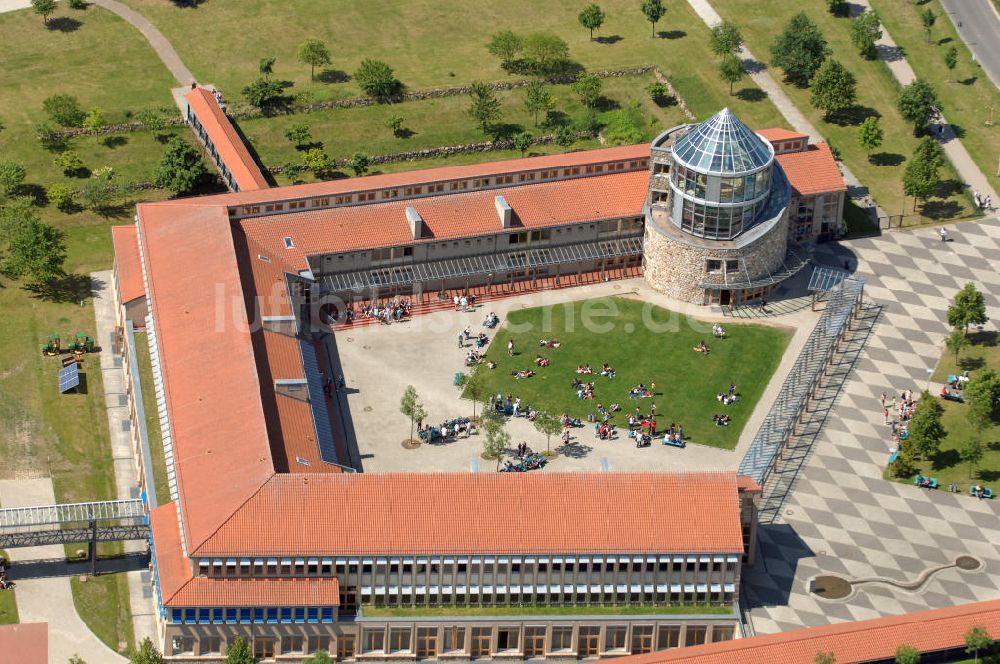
(850, 642)
(747, 483)
(420, 176)
(448, 217)
(409, 513)
(29, 640)
(125, 241)
(812, 171)
(779, 134)
(227, 142)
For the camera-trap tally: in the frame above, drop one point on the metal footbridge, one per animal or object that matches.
(68, 523)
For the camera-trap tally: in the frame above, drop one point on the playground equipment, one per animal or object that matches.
(52, 347)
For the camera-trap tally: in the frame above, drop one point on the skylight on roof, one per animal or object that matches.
(304, 462)
(264, 258)
(289, 244)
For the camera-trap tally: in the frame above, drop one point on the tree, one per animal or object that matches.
(94, 120)
(825, 658)
(955, 342)
(76, 659)
(653, 10)
(537, 100)
(180, 167)
(976, 639)
(100, 190)
(968, 308)
(624, 126)
(35, 251)
(588, 88)
(837, 7)
(921, 178)
(146, 654)
(376, 78)
(264, 93)
(64, 110)
(321, 657)
(730, 70)
(928, 18)
(77, 4)
(592, 18)
(866, 29)
(299, 135)
(982, 393)
(926, 430)
(61, 196)
(317, 161)
(907, 655)
(49, 138)
(411, 407)
(43, 8)
(917, 103)
(505, 45)
(548, 425)
(292, 171)
(523, 141)
(71, 164)
(497, 440)
(491, 420)
(565, 137)
(359, 163)
(150, 120)
(799, 50)
(972, 452)
(474, 387)
(239, 652)
(12, 175)
(726, 38)
(394, 123)
(312, 52)
(870, 134)
(834, 89)
(951, 61)
(546, 50)
(266, 66)
(485, 106)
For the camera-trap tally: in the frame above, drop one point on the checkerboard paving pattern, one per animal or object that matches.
(842, 518)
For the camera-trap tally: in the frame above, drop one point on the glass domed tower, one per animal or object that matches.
(716, 220)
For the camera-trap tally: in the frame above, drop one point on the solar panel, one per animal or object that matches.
(69, 378)
(317, 403)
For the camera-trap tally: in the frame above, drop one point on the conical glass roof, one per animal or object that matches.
(723, 144)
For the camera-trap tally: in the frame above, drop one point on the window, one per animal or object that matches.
(695, 635)
(534, 642)
(454, 638)
(181, 645)
(562, 638)
(614, 637)
(722, 633)
(480, 644)
(732, 265)
(291, 644)
(345, 647)
(642, 639)
(374, 640)
(588, 641)
(669, 637)
(212, 645)
(399, 639)
(319, 642)
(426, 642)
(263, 647)
(507, 638)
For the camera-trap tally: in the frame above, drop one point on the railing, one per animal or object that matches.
(71, 513)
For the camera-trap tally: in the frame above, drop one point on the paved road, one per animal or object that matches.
(978, 24)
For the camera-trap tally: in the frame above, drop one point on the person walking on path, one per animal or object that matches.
(461, 336)
(882, 399)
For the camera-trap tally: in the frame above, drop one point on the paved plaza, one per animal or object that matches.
(842, 517)
(380, 361)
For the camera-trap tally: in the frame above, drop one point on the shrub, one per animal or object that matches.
(62, 197)
(64, 110)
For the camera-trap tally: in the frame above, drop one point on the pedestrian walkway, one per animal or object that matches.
(50, 600)
(155, 38)
(841, 517)
(798, 121)
(959, 157)
(119, 427)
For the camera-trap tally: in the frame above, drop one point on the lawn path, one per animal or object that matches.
(160, 44)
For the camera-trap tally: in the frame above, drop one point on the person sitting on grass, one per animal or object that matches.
(549, 343)
(523, 373)
(491, 364)
(718, 331)
(720, 420)
(607, 371)
(584, 369)
(586, 391)
(615, 407)
(702, 348)
(541, 361)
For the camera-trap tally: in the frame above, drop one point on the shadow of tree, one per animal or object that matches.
(114, 141)
(945, 40)
(854, 115)
(671, 34)
(887, 159)
(949, 187)
(945, 459)
(68, 288)
(752, 66)
(969, 81)
(751, 94)
(404, 132)
(889, 53)
(193, 4)
(940, 209)
(608, 39)
(333, 76)
(574, 450)
(971, 363)
(988, 339)
(35, 192)
(606, 104)
(554, 119)
(64, 24)
(959, 130)
(505, 130)
(665, 101)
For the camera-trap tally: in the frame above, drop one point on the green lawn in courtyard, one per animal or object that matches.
(970, 100)
(8, 602)
(645, 344)
(103, 603)
(877, 90)
(153, 432)
(540, 610)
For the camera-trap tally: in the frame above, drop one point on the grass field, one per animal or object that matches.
(153, 432)
(531, 610)
(8, 603)
(103, 603)
(644, 344)
(877, 90)
(969, 98)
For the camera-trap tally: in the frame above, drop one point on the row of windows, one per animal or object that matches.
(731, 190)
(250, 616)
(717, 223)
(265, 647)
(439, 187)
(392, 596)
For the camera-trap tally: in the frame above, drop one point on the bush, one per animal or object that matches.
(264, 93)
(71, 164)
(180, 167)
(48, 138)
(376, 78)
(565, 137)
(624, 126)
(64, 110)
(292, 171)
(12, 174)
(62, 197)
(77, 4)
